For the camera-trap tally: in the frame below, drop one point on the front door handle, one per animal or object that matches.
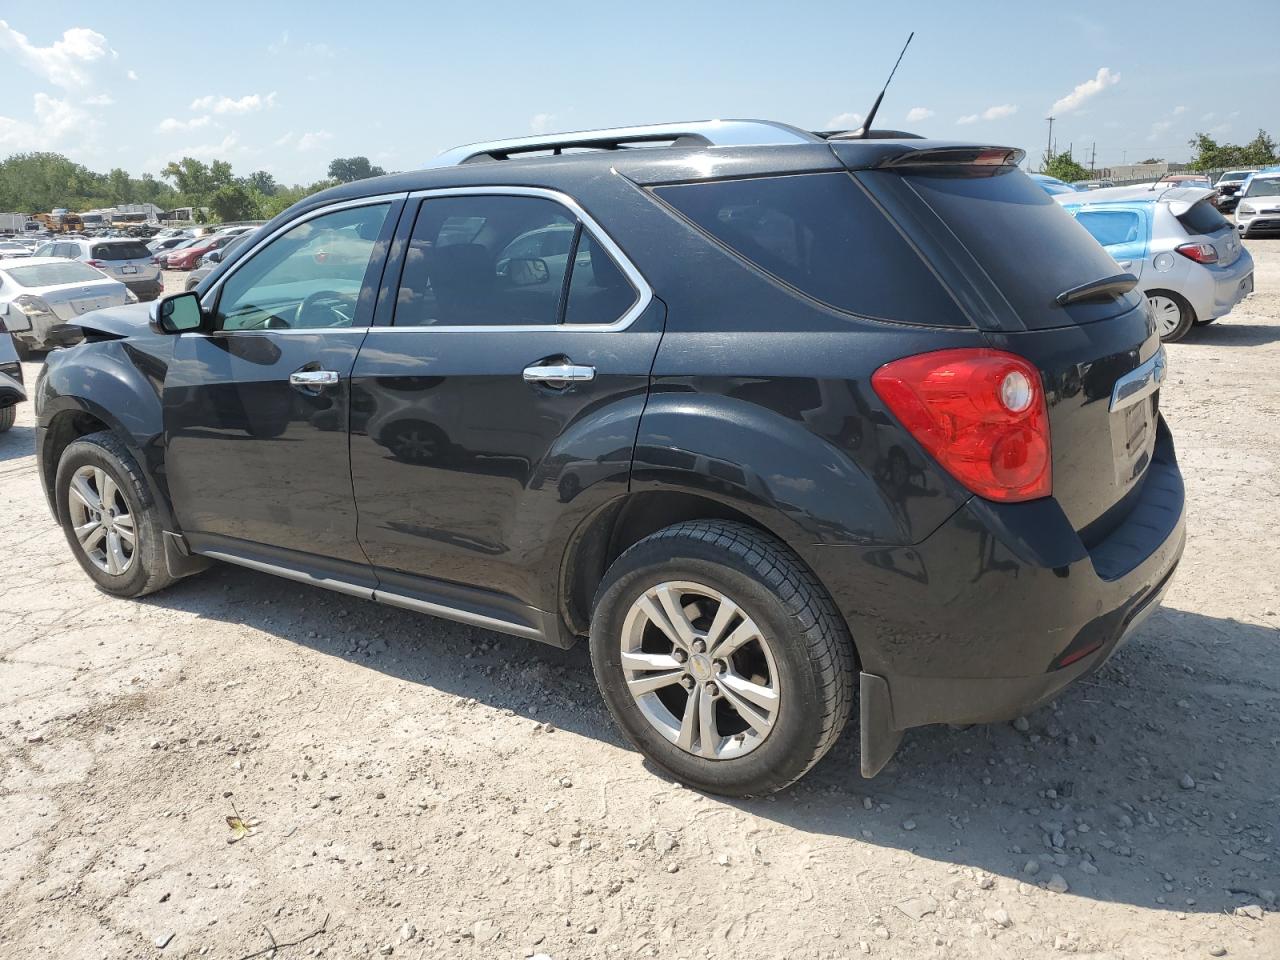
(314, 378)
(556, 373)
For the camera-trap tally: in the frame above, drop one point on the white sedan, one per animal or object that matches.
(38, 295)
(13, 248)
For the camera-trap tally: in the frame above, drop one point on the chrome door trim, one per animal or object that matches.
(558, 373)
(1140, 382)
(314, 378)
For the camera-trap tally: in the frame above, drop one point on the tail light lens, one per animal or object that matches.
(99, 264)
(1199, 252)
(980, 413)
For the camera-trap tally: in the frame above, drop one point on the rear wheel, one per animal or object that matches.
(109, 517)
(722, 658)
(1174, 316)
(1205, 323)
(7, 416)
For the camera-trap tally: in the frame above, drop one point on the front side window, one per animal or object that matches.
(310, 277)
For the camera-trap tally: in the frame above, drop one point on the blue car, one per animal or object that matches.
(1052, 185)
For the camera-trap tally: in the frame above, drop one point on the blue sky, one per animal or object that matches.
(286, 87)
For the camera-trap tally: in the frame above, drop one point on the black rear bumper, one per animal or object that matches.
(1000, 608)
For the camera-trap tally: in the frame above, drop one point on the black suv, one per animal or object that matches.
(764, 414)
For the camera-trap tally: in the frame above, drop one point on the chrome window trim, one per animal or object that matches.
(210, 298)
(634, 276)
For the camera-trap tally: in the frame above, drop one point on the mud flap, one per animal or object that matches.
(879, 738)
(179, 559)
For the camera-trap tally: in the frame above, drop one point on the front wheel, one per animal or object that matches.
(722, 658)
(1174, 316)
(109, 517)
(8, 415)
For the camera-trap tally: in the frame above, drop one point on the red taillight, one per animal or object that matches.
(980, 413)
(1199, 252)
(97, 263)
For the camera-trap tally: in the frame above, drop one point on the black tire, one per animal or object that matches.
(147, 572)
(1186, 315)
(1205, 323)
(810, 645)
(7, 417)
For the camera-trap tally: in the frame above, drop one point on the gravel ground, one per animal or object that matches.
(425, 789)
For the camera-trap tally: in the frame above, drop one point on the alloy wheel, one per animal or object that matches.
(100, 517)
(700, 670)
(1167, 313)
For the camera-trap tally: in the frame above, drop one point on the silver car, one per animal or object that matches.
(123, 259)
(12, 389)
(1258, 214)
(1185, 254)
(40, 295)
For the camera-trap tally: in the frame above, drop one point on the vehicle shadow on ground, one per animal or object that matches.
(1096, 778)
(17, 442)
(1224, 333)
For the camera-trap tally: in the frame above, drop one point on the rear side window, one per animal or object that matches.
(1203, 218)
(1110, 227)
(120, 251)
(822, 235)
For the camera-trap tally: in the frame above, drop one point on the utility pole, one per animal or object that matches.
(1048, 150)
(1093, 156)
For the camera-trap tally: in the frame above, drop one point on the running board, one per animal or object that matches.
(429, 597)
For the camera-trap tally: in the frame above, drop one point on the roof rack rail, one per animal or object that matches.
(700, 133)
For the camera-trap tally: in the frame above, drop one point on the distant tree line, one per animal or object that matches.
(1211, 155)
(40, 182)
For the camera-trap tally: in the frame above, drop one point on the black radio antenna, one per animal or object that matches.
(875, 107)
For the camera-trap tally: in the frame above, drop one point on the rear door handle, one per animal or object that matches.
(314, 378)
(558, 373)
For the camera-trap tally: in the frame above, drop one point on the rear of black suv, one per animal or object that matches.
(995, 503)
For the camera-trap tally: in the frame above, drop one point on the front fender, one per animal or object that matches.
(117, 385)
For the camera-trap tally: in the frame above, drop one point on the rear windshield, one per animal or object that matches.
(822, 235)
(1203, 218)
(53, 274)
(120, 251)
(1030, 247)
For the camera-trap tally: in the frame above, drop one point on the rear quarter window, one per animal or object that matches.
(1203, 218)
(820, 234)
(1110, 227)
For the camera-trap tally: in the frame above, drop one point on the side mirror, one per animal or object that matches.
(214, 256)
(527, 271)
(178, 313)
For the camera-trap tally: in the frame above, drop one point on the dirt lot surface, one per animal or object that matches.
(424, 789)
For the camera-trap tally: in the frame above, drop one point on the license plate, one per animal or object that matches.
(128, 269)
(1132, 439)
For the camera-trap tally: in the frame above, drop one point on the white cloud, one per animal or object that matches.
(54, 120)
(101, 100)
(998, 112)
(1179, 110)
(844, 121)
(131, 75)
(285, 140)
(542, 122)
(172, 124)
(246, 104)
(1083, 91)
(916, 114)
(310, 141)
(64, 62)
(229, 145)
(1158, 128)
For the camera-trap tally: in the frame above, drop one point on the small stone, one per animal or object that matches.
(664, 843)
(867, 803)
(1187, 782)
(1217, 951)
(408, 932)
(386, 949)
(1031, 867)
(155, 744)
(864, 947)
(566, 782)
(1058, 884)
(1252, 911)
(673, 868)
(882, 931)
(908, 824)
(917, 908)
(1086, 866)
(162, 941)
(485, 931)
(1000, 917)
(986, 881)
(1022, 724)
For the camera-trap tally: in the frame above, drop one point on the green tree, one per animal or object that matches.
(120, 186)
(348, 169)
(233, 202)
(1259, 151)
(263, 182)
(1062, 166)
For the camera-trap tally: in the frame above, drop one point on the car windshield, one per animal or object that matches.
(1232, 176)
(1270, 187)
(53, 274)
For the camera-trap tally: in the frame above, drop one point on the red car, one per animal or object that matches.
(188, 258)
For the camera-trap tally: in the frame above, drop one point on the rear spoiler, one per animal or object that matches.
(955, 156)
(1107, 288)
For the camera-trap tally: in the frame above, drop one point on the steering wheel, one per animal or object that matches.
(327, 300)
